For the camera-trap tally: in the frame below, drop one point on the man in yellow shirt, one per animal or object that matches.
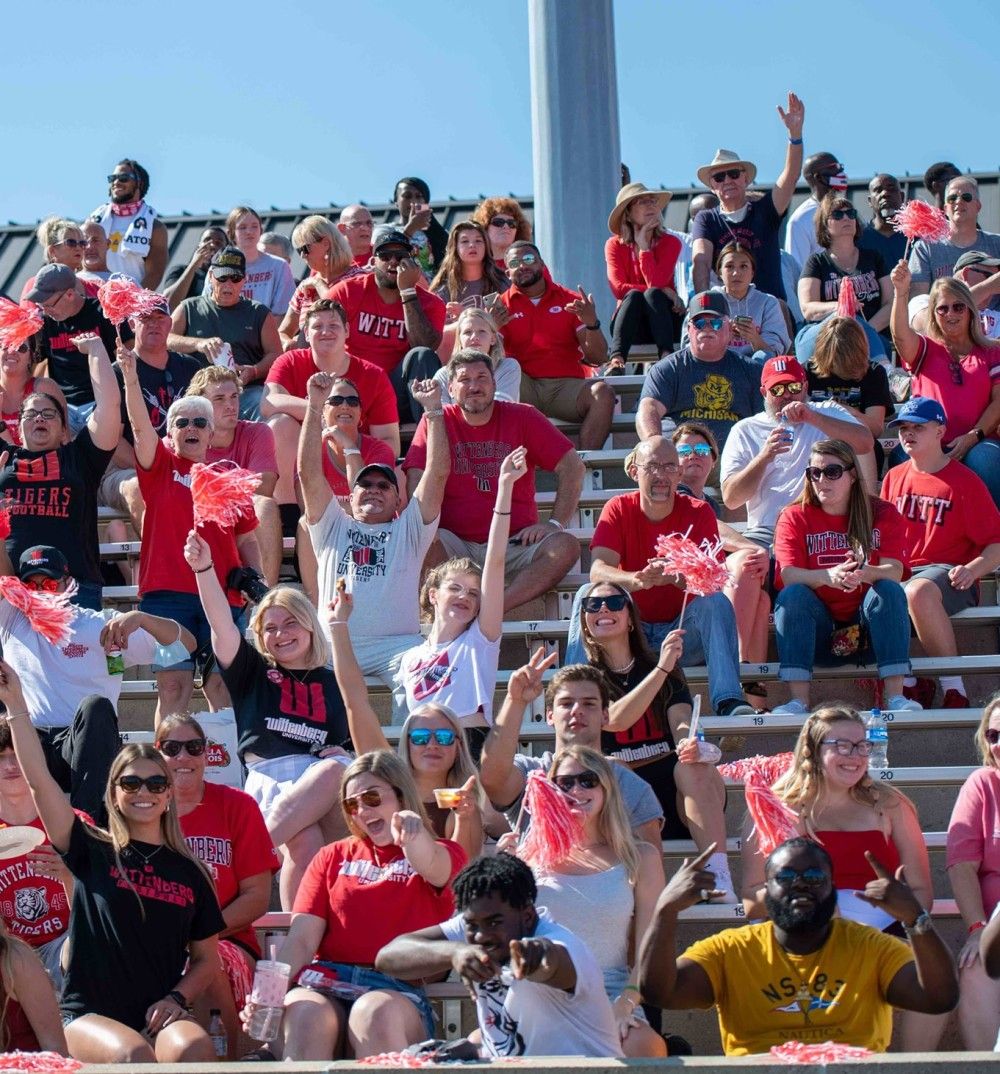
(803, 975)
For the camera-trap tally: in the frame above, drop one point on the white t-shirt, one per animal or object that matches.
(54, 678)
(461, 674)
(525, 1018)
(800, 235)
(782, 480)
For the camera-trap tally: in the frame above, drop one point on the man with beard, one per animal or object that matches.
(392, 322)
(803, 975)
(137, 240)
(885, 196)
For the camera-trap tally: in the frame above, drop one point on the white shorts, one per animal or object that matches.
(269, 780)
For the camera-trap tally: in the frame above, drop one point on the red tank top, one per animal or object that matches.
(851, 871)
(17, 1032)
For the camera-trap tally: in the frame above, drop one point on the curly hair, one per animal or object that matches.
(501, 874)
(436, 576)
(490, 207)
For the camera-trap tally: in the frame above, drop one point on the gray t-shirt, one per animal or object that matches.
(929, 261)
(716, 393)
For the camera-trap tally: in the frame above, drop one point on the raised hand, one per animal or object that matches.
(318, 388)
(427, 393)
(901, 278)
(405, 827)
(891, 893)
(515, 466)
(530, 957)
(793, 115)
(10, 688)
(126, 358)
(526, 684)
(671, 650)
(583, 307)
(407, 274)
(691, 883)
(197, 553)
(340, 608)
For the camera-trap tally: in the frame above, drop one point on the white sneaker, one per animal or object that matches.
(898, 703)
(791, 708)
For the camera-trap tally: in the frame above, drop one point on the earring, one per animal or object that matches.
(630, 626)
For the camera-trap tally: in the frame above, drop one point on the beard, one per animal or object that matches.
(383, 279)
(792, 920)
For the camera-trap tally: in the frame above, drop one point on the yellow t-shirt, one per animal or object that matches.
(766, 996)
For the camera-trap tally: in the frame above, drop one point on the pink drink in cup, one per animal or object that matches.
(270, 983)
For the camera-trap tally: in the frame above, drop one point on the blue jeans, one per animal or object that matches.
(250, 399)
(710, 638)
(805, 341)
(78, 413)
(89, 595)
(803, 625)
(372, 980)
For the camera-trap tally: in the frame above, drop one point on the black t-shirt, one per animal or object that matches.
(197, 283)
(871, 390)
(281, 712)
(890, 248)
(756, 232)
(646, 746)
(240, 326)
(52, 499)
(160, 387)
(126, 950)
(67, 366)
(865, 277)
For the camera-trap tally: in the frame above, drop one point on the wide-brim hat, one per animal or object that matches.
(726, 158)
(626, 196)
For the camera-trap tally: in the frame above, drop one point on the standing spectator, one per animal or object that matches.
(476, 330)
(641, 256)
(482, 433)
(356, 224)
(553, 333)
(17, 382)
(267, 279)
(416, 220)
(756, 320)
(753, 224)
(137, 240)
(504, 222)
(185, 281)
(824, 175)
(704, 381)
(95, 253)
(62, 243)
(885, 196)
(936, 180)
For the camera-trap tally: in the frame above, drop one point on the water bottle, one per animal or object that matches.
(217, 1033)
(878, 736)
(786, 429)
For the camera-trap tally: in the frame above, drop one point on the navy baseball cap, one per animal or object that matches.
(42, 559)
(918, 410)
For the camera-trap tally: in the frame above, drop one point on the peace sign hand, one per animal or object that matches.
(526, 683)
(891, 893)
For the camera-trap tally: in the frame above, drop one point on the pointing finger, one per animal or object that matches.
(880, 870)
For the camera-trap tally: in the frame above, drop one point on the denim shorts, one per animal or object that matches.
(186, 609)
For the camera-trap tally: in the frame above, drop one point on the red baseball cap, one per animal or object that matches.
(782, 369)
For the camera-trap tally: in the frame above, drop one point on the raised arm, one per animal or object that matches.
(419, 330)
(225, 634)
(105, 423)
(143, 434)
(429, 491)
(514, 467)
(905, 340)
(793, 117)
(316, 491)
(627, 710)
(366, 730)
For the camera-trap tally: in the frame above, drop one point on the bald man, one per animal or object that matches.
(356, 225)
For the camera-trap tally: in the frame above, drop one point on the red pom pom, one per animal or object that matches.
(773, 821)
(4, 522)
(918, 220)
(847, 300)
(18, 323)
(555, 829)
(121, 297)
(222, 492)
(40, 1062)
(701, 566)
(49, 614)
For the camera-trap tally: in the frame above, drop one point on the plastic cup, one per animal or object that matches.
(270, 983)
(447, 797)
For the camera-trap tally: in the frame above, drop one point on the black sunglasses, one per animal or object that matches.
(729, 173)
(344, 400)
(588, 781)
(134, 784)
(172, 747)
(833, 472)
(964, 196)
(844, 214)
(614, 603)
(992, 735)
(183, 423)
(503, 221)
(124, 177)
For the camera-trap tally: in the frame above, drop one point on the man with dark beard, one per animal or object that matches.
(803, 975)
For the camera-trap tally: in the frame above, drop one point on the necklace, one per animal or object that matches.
(145, 858)
(623, 670)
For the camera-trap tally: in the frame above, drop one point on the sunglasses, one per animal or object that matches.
(833, 472)
(813, 877)
(992, 735)
(687, 450)
(614, 603)
(845, 747)
(443, 736)
(44, 585)
(172, 747)
(232, 277)
(23, 348)
(183, 423)
(123, 177)
(344, 400)
(352, 805)
(715, 323)
(134, 784)
(524, 259)
(844, 214)
(303, 251)
(504, 221)
(729, 173)
(950, 307)
(951, 199)
(392, 255)
(793, 387)
(76, 244)
(382, 486)
(587, 781)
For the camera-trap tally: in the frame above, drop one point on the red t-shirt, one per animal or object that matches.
(625, 529)
(809, 538)
(226, 831)
(252, 448)
(949, 516)
(166, 491)
(476, 454)
(293, 369)
(369, 895)
(378, 329)
(372, 450)
(541, 334)
(963, 403)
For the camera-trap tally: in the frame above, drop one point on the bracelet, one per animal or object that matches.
(980, 435)
(595, 327)
(351, 451)
(496, 512)
(203, 569)
(179, 999)
(407, 292)
(664, 670)
(15, 715)
(795, 141)
(337, 622)
(632, 988)
(555, 522)
(975, 927)
(435, 413)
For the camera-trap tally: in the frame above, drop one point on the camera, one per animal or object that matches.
(249, 582)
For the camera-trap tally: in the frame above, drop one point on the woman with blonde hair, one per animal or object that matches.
(144, 923)
(476, 330)
(505, 223)
(29, 1011)
(390, 876)
(62, 242)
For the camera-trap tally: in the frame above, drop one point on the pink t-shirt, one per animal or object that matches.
(252, 448)
(935, 375)
(974, 831)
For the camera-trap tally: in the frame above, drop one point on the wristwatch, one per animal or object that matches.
(921, 925)
(980, 435)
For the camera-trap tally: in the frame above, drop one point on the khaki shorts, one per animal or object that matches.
(555, 397)
(109, 492)
(516, 557)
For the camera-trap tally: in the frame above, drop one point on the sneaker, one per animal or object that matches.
(791, 708)
(955, 699)
(899, 703)
(923, 690)
(735, 706)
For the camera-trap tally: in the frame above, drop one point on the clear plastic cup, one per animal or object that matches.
(447, 797)
(270, 983)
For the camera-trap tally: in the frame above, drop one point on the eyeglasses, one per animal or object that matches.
(845, 747)
(729, 173)
(172, 747)
(813, 877)
(793, 387)
(303, 251)
(524, 259)
(43, 585)
(951, 199)
(833, 472)
(715, 323)
(443, 736)
(382, 486)
(844, 214)
(372, 799)
(183, 423)
(992, 735)
(48, 414)
(134, 784)
(359, 224)
(659, 467)
(504, 221)
(392, 255)
(123, 177)
(76, 244)
(587, 780)
(950, 307)
(344, 400)
(687, 450)
(615, 602)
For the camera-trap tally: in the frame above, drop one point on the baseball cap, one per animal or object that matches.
(918, 411)
(42, 559)
(976, 257)
(379, 468)
(782, 369)
(708, 302)
(51, 280)
(229, 261)
(390, 236)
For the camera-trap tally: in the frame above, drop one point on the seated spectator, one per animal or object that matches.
(838, 229)
(975, 880)
(553, 333)
(885, 196)
(289, 714)
(850, 976)
(328, 257)
(476, 330)
(226, 329)
(63, 243)
(650, 715)
(641, 256)
(955, 364)
(764, 457)
(380, 552)
(356, 225)
(186, 281)
(840, 554)
(417, 222)
(249, 444)
(225, 831)
(95, 254)
(17, 382)
(682, 271)
(481, 434)
(137, 239)
(49, 484)
(277, 245)
(268, 279)
(467, 277)
(824, 175)
(136, 959)
(756, 320)
(390, 875)
(704, 381)
(936, 180)
(576, 707)
(979, 273)
(538, 988)
(31, 1020)
(989, 949)
(952, 538)
(504, 222)
(165, 585)
(753, 224)
(393, 323)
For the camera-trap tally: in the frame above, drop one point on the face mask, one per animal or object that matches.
(174, 653)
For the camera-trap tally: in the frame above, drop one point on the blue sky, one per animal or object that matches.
(298, 102)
